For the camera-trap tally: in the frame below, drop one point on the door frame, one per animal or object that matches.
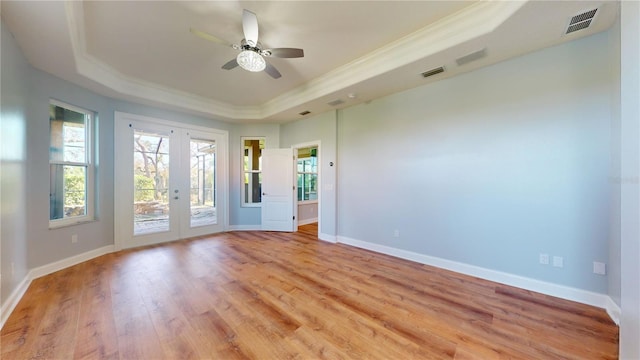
(317, 144)
(121, 175)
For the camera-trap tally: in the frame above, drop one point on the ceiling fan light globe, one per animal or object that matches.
(251, 61)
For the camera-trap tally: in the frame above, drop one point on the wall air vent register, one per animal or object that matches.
(581, 21)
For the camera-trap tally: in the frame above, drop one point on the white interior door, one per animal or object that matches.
(170, 182)
(277, 190)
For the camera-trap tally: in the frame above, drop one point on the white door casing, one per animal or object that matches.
(124, 184)
(179, 137)
(277, 190)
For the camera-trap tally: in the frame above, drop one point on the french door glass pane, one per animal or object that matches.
(203, 183)
(151, 181)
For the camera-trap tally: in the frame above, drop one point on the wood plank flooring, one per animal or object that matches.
(262, 295)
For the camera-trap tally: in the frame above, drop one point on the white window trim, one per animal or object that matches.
(90, 174)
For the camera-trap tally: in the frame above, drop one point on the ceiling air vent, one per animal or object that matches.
(581, 21)
(432, 72)
(336, 102)
(306, 112)
(471, 57)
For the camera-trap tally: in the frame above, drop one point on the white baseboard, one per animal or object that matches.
(245, 227)
(13, 299)
(582, 296)
(17, 294)
(307, 221)
(328, 238)
(614, 311)
(68, 262)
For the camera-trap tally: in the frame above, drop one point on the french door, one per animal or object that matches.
(169, 181)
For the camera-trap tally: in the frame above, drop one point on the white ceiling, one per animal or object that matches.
(143, 51)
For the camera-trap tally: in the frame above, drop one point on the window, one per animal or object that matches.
(252, 171)
(307, 174)
(70, 164)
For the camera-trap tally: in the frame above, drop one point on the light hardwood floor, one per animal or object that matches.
(262, 295)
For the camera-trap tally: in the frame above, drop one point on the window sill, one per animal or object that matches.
(258, 205)
(63, 224)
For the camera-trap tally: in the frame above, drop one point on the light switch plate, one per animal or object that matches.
(599, 268)
(558, 261)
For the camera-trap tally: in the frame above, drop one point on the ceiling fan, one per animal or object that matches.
(252, 55)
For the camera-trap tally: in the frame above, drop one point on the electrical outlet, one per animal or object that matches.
(544, 259)
(396, 233)
(558, 261)
(599, 268)
(74, 238)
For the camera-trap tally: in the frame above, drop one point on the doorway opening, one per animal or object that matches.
(308, 200)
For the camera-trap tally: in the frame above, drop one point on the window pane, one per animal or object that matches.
(151, 181)
(67, 192)
(307, 174)
(203, 177)
(253, 154)
(68, 135)
(252, 166)
(313, 187)
(253, 188)
(307, 187)
(314, 164)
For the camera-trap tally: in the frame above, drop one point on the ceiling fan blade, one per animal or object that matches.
(207, 36)
(272, 71)
(285, 52)
(250, 27)
(230, 65)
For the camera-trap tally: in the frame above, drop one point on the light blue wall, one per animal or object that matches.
(321, 127)
(13, 166)
(489, 168)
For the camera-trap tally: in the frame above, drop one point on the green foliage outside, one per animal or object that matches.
(74, 186)
(144, 188)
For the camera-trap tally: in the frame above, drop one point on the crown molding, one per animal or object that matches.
(470, 23)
